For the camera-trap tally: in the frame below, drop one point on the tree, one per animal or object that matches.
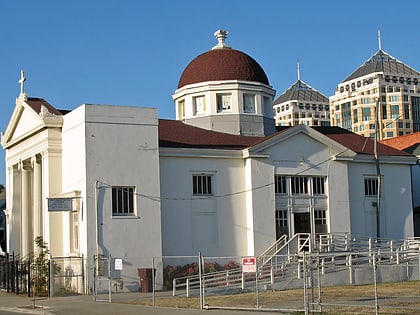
(1, 188)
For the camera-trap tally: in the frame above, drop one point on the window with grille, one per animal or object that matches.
(371, 186)
(299, 185)
(202, 185)
(321, 221)
(318, 185)
(281, 223)
(122, 201)
(280, 184)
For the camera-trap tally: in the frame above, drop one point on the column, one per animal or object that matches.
(25, 203)
(37, 197)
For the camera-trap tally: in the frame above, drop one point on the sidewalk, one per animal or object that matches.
(84, 304)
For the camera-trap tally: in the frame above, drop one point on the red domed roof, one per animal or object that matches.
(222, 64)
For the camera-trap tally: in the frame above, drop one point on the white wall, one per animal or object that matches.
(115, 146)
(396, 216)
(215, 226)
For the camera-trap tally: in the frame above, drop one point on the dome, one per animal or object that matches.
(222, 63)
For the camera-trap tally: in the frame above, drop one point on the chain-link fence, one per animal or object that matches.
(67, 276)
(373, 282)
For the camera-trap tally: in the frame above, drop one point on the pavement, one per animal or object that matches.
(11, 303)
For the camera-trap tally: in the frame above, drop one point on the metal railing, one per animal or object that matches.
(283, 259)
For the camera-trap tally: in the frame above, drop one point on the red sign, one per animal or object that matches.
(249, 264)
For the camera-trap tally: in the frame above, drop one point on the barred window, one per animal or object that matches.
(321, 221)
(280, 184)
(318, 185)
(122, 201)
(299, 185)
(202, 184)
(371, 186)
(281, 223)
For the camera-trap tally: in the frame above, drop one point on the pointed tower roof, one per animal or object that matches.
(300, 91)
(385, 63)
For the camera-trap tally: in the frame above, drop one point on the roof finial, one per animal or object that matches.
(22, 82)
(221, 36)
(298, 69)
(379, 39)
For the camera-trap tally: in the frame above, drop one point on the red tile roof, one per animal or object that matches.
(173, 133)
(36, 104)
(403, 142)
(363, 145)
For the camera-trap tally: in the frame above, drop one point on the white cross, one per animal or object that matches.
(22, 82)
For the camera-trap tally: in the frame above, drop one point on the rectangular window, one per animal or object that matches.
(406, 111)
(395, 111)
(393, 98)
(321, 226)
(199, 104)
(365, 100)
(384, 113)
(355, 118)
(181, 109)
(371, 186)
(249, 103)
(74, 239)
(224, 102)
(280, 184)
(281, 223)
(366, 114)
(122, 201)
(202, 185)
(318, 185)
(299, 185)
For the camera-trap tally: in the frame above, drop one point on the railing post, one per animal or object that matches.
(271, 276)
(298, 271)
(187, 288)
(227, 278)
(351, 268)
(173, 287)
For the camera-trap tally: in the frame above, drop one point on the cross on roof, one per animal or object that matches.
(22, 82)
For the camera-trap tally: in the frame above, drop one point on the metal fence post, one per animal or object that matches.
(375, 284)
(153, 280)
(28, 279)
(305, 286)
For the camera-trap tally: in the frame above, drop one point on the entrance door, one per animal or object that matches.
(302, 223)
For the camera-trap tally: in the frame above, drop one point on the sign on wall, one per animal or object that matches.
(60, 204)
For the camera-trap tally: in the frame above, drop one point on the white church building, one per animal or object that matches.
(220, 179)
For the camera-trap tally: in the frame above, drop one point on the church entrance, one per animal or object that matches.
(302, 223)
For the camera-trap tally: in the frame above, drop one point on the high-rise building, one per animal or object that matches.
(382, 87)
(301, 104)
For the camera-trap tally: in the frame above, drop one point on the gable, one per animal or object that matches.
(23, 123)
(292, 138)
(29, 116)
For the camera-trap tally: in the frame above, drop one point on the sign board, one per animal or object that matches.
(118, 264)
(249, 264)
(60, 204)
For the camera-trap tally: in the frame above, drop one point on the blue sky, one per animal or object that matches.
(133, 52)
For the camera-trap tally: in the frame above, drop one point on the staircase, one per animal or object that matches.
(337, 256)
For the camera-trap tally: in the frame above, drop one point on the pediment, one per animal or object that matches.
(25, 122)
(300, 138)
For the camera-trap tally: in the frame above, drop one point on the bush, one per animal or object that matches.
(170, 272)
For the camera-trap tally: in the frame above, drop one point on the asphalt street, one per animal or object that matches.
(13, 304)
